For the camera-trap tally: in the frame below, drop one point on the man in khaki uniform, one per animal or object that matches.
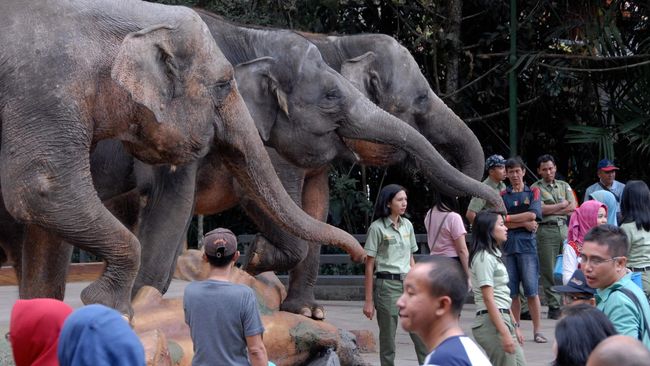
(496, 168)
(558, 202)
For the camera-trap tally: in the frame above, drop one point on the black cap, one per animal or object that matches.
(577, 284)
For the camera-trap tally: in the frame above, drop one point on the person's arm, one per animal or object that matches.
(256, 350)
(412, 261)
(463, 254)
(369, 305)
(470, 215)
(507, 343)
(556, 208)
(524, 219)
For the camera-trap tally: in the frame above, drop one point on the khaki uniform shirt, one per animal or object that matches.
(552, 193)
(391, 246)
(488, 270)
(477, 204)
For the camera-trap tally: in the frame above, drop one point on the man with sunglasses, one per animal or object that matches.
(603, 261)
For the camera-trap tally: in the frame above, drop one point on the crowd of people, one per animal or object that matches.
(603, 246)
(600, 296)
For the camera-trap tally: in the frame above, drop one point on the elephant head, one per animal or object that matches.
(387, 74)
(177, 77)
(310, 114)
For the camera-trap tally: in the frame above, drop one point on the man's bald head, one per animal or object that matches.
(619, 350)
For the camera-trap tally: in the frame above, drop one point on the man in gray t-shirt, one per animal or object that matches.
(225, 324)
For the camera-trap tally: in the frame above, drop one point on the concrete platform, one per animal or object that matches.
(344, 314)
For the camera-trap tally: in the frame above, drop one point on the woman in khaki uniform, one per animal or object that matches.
(390, 245)
(494, 327)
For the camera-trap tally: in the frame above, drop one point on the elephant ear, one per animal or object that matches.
(146, 68)
(261, 92)
(360, 73)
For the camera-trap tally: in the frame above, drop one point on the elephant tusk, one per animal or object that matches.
(172, 168)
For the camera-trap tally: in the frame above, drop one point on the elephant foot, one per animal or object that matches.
(309, 309)
(100, 292)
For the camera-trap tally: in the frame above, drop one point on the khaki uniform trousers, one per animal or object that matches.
(549, 245)
(385, 294)
(487, 336)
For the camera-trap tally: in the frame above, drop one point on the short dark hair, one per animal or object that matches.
(635, 204)
(220, 262)
(544, 158)
(609, 235)
(385, 196)
(447, 278)
(515, 162)
(578, 332)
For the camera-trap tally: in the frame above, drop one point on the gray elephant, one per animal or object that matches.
(75, 72)
(309, 115)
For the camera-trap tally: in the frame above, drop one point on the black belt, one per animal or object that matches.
(643, 269)
(390, 276)
(502, 311)
(558, 222)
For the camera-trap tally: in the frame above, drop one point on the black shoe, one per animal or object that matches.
(525, 316)
(554, 313)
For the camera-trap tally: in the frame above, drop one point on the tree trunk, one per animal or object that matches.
(454, 18)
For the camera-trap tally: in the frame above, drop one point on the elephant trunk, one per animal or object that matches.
(448, 133)
(243, 153)
(372, 123)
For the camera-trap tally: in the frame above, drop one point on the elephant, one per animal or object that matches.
(304, 112)
(76, 72)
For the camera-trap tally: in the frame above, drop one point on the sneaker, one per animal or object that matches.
(554, 313)
(525, 316)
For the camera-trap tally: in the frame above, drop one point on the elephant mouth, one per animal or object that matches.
(372, 153)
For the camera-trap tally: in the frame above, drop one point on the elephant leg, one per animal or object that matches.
(163, 222)
(48, 183)
(11, 241)
(276, 250)
(302, 279)
(45, 263)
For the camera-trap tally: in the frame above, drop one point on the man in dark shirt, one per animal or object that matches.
(520, 250)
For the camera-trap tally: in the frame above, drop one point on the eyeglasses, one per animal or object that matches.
(595, 261)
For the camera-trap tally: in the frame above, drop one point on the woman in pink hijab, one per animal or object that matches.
(34, 331)
(589, 214)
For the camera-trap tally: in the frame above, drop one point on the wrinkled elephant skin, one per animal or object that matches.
(148, 75)
(75, 72)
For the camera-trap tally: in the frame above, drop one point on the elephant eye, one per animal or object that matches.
(333, 94)
(220, 90)
(421, 98)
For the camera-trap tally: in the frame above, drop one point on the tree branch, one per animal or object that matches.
(503, 111)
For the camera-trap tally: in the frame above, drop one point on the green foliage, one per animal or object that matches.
(349, 206)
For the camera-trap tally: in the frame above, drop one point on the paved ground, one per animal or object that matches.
(343, 314)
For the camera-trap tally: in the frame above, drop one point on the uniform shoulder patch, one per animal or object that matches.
(536, 192)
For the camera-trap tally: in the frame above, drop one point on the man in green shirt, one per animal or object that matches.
(496, 168)
(558, 202)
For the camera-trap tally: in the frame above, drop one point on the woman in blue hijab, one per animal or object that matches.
(609, 200)
(96, 335)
